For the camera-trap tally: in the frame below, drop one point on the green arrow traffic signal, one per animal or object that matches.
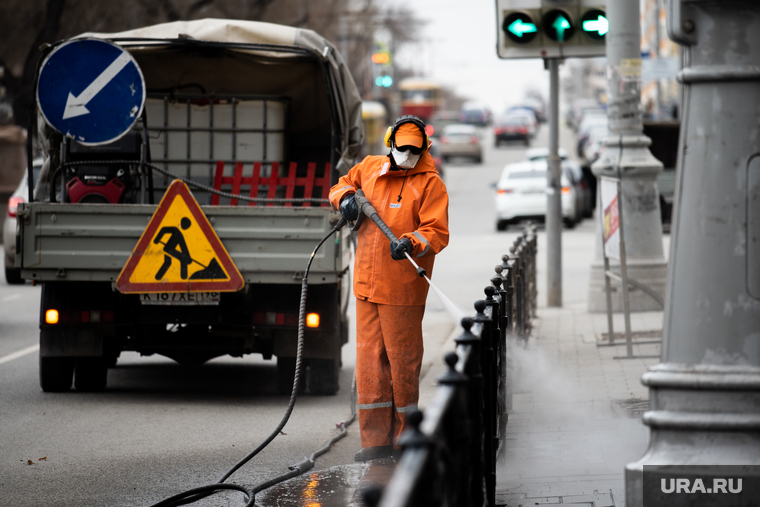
(594, 24)
(600, 26)
(519, 27)
(558, 26)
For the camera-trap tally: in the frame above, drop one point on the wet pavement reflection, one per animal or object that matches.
(339, 486)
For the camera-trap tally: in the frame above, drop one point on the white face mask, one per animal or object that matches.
(405, 159)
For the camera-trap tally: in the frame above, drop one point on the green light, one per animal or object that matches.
(384, 81)
(595, 24)
(600, 25)
(519, 28)
(560, 25)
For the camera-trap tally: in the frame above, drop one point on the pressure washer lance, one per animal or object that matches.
(367, 209)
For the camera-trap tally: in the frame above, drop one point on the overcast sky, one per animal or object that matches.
(459, 50)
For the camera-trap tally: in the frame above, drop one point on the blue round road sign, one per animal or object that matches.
(91, 90)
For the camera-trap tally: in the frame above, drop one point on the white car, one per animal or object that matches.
(543, 154)
(521, 195)
(13, 275)
(594, 144)
(585, 207)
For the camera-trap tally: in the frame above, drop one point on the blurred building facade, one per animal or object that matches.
(661, 61)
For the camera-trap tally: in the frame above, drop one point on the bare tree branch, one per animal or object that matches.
(23, 94)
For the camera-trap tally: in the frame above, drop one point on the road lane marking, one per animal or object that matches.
(11, 297)
(19, 353)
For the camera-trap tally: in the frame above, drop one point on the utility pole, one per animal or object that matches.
(554, 193)
(656, 14)
(706, 391)
(626, 156)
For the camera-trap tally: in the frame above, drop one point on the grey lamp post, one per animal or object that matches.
(626, 155)
(705, 394)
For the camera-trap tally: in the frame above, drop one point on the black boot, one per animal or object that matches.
(370, 453)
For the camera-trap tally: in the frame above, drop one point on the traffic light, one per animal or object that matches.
(594, 24)
(382, 65)
(558, 25)
(381, 58)
(520, 27)
(551, 28)
(384, 81)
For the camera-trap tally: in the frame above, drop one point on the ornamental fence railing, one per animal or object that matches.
(450, 450)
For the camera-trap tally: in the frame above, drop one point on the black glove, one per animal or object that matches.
(399, 247)
(348, 208)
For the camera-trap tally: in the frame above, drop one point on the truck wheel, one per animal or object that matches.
(323, 376)
(13, 276)
(56, 374)
(90, 374)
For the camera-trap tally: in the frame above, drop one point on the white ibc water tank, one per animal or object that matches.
(188, 139)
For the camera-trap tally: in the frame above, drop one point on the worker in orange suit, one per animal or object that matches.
(410, 197)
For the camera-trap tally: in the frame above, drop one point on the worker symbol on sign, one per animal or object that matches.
(176, 248)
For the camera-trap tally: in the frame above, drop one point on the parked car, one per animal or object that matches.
(581, 108)
(461, 141)
(583, 188)
(474, 113)
(543, 153)
(589, 123)
(521, 195)
(441, 119)
(594, 143)
(528, 115)
(13, 275)
(511, 128)
(536, 106)
(435, 152)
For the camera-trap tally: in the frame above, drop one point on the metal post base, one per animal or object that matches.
(700, 415)
(652, 273)
(628, 157)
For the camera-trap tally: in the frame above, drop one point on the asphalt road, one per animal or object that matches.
(160, 428)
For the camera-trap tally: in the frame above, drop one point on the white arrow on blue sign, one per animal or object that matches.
(91, 90)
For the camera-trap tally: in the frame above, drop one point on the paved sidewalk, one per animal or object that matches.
(569, 434)
(576, 409)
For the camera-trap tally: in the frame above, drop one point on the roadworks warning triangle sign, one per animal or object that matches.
(179, 251)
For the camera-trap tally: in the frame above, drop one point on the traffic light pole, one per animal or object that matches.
(554, 193)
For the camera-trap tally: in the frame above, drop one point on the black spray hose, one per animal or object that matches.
(195, 494)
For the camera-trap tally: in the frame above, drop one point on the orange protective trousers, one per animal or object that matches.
(388, 361)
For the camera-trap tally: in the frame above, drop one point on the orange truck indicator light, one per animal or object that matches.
(51, 316)
(312, 320)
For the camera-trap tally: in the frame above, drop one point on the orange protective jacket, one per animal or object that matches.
(422, 216)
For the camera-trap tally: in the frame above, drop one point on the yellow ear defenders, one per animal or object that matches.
(390, 134)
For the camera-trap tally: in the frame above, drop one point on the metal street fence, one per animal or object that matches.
(449, 452)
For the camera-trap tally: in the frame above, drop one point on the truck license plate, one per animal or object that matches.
(180, 298)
